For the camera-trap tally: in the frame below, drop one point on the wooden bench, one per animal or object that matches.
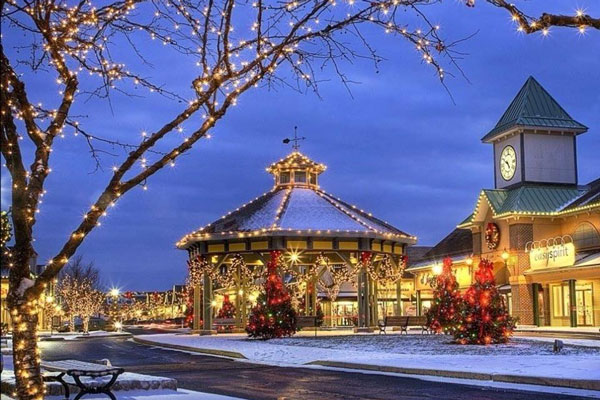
(224, 323)
(90, 378)
(403, 322)
(392, 320)
(307, 321)
(420, 321)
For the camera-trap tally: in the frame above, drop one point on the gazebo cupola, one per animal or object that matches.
(296, 170)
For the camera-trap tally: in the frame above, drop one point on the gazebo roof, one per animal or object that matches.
(296, 210)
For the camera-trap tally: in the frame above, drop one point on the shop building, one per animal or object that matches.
(539, 226)
(458, 245)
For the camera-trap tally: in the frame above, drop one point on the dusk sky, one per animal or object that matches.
(399, 146)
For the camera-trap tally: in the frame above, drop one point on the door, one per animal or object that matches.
(584, 300)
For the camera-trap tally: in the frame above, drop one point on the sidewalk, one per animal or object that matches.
(559, 332)
(579, 369)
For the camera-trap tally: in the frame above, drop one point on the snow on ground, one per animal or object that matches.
(521, 357)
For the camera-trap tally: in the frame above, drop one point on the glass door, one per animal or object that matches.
(584, 301)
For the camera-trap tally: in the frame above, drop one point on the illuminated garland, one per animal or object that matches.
(339, 274)
(385, 271)
(196, 269)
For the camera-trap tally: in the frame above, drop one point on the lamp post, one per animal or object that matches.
(505, 255)
(114, 293)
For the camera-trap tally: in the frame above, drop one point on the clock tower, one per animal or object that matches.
(534, 141)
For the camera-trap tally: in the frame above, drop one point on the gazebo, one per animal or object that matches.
(324, 241)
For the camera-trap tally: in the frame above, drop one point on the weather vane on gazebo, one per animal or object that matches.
(296, 140)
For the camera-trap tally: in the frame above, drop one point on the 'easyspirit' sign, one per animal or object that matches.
(555, 256)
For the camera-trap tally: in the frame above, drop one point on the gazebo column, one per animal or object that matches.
(364, 311)
(239, 291)
(240, 301)
(197, 308)
(207, 298)
(399, 297)
(312, 297)
(373, 303)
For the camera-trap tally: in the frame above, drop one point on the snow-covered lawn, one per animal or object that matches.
(523, 356)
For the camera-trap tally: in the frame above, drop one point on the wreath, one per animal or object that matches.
(492, 236)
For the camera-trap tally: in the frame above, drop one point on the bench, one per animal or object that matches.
(224, 324)
(307, 321)
(403, 322)
(90, 378)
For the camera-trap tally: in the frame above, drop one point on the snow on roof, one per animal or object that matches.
(297, 209)
(296, 206)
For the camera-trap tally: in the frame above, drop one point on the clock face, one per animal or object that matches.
(508, 163)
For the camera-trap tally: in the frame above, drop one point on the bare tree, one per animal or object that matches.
(236, 45)
(78, 289)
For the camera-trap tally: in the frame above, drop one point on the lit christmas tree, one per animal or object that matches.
(227, 311)
(273, 315)
(444, 313)
(485, 319)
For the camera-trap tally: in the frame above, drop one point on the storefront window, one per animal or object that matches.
(345, 313)
(585, 304)
(560, 300)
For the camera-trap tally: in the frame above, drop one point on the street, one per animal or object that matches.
(256, 381)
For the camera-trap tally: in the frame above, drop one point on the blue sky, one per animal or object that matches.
(399, 147)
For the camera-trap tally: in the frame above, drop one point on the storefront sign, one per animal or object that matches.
(555, 256)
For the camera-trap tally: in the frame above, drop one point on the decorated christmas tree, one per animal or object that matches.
(444, 313)
(226, 311)
(273, 315)
(485, 319)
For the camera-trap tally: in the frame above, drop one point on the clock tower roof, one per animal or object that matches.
(534, 107)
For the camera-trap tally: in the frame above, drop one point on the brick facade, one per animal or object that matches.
(519, 235)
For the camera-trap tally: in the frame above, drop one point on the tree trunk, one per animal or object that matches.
(26, 354)
(86, 324)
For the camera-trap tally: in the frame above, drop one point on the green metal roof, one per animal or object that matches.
(534, 106)
(532, 199)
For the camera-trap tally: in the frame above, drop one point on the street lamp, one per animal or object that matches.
(115, 292)
(505, 255)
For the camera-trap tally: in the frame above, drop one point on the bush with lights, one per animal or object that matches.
(273, 316)
(485, 318)
(445, 311)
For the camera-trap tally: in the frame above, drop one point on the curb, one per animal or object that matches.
(123, 335)
(588, 384)
(213, 352)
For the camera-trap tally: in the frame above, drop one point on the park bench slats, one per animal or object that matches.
(224, 321)
(403, 322)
